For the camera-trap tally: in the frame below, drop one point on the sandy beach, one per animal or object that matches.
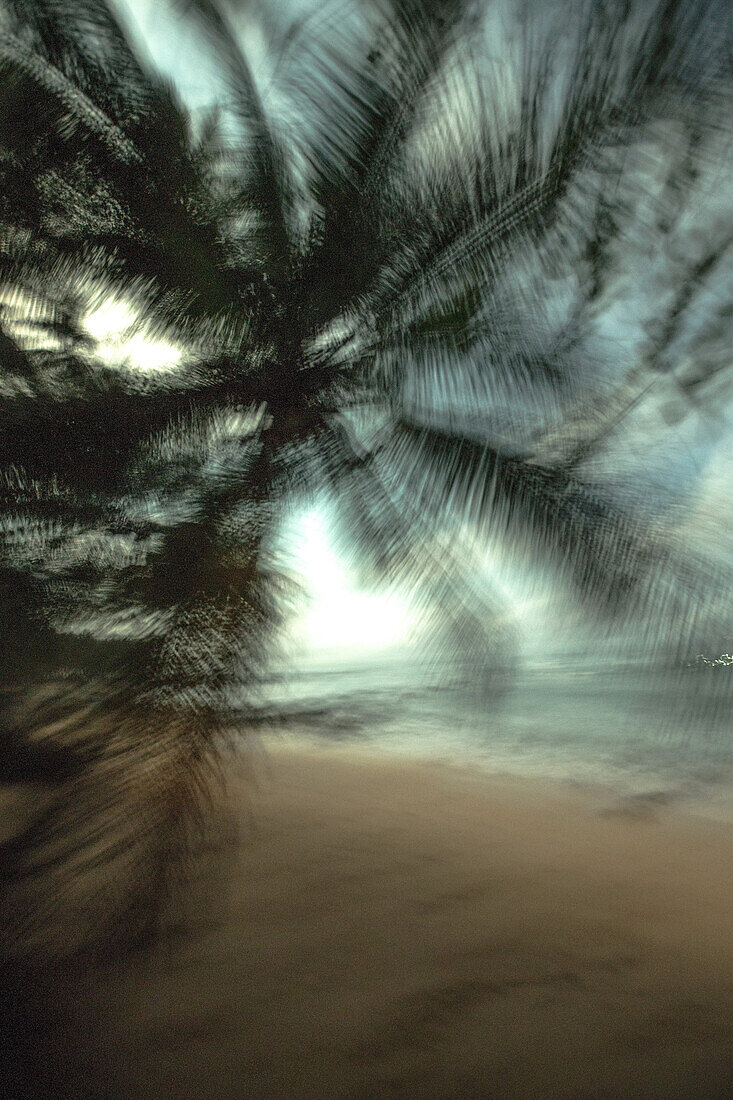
(374, 926)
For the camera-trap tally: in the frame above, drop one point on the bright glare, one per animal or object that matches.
(109, 320)
(118, 337)
(340, 616)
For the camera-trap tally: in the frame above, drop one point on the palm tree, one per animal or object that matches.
(354, 274)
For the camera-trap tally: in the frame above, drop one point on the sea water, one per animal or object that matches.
(659, 735)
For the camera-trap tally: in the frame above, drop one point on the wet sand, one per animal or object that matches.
(376, 927)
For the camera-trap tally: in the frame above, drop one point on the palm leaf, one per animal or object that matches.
(514, 176)
(363, 88)
(605, 551)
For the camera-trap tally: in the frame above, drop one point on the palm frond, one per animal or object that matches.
(73, 106)
(363, 88)
(512, 169)
(610, 554)
(391, 542)
(268, 179)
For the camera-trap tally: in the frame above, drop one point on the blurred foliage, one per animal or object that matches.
(352, 285)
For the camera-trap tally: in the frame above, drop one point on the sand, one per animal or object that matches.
(378, 927)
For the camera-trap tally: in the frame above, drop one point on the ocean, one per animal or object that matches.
(650, 736)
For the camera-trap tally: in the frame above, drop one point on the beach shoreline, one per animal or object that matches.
(605, 792)
(372, 926)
